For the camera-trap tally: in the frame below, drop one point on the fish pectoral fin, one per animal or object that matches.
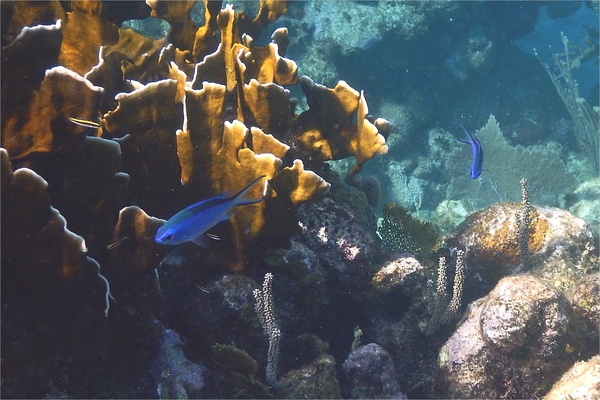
(203, 241)
(213, 237)
(242, 197)
(86, 123)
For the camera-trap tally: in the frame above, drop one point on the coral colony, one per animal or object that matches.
(116, 142)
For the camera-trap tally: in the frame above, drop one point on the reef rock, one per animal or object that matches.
(178, 377)
(342, 230)
(522, 333)
(585, 299)
(316, 380)
(405, 273)
(559, 246)
(581, 382)
(369, 373)
(585, 203)
(210, 312)
(299, 286)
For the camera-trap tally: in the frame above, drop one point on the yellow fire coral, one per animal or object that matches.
(44, 125)
(39, 253)
(133, 241)
(326, 131)
(184, 137)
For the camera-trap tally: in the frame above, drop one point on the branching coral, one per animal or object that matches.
(585, 117)
(442, 306)
(263, 305)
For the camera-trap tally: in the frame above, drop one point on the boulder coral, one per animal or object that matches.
(370, 373)
(579, 382)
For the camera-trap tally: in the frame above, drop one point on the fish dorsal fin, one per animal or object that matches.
(205, 204)
(241, 197)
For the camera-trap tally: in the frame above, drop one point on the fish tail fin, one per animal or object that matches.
(470, 136)
(242, 197)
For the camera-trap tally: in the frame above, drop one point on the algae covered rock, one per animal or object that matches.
(369, 373)
(585, 299)
(316, 380)
(581, 382)
(558, 242)
(522, 335)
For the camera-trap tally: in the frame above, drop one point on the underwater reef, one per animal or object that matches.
(328, 281)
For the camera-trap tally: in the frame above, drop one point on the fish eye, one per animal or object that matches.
(168, 238)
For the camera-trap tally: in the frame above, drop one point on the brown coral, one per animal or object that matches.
(91, 24)
(326, 130)
(44, 126)
(38, 252)
(151, 115)
(177, 14)
(28, 13)
(135, 233)
(184, 140)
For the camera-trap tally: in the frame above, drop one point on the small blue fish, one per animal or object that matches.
(477, 153)
(192, 223)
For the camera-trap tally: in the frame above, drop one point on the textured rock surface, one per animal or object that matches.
(341, 228)
(521, 334)
(581, 382)
(178, 377)
(585, 299)
(369, 373)
(558, 244)
(405, 273)
(316, 380)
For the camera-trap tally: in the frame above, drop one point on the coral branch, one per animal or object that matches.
(264, 308)
(441, 307)
(586, 118)
(523, 223)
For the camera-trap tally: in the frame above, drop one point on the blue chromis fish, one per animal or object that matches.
(477, 163)
(191, 224)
